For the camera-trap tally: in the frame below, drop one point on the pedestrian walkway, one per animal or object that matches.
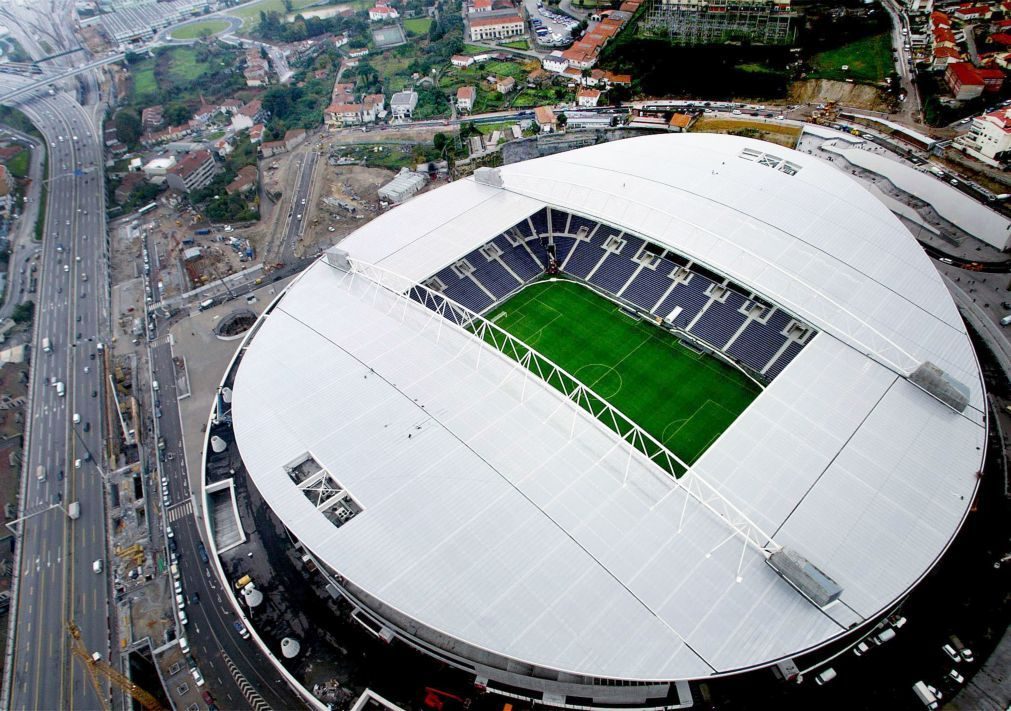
(177, 512)
(256, 701)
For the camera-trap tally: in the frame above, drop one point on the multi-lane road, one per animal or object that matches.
(57, 556)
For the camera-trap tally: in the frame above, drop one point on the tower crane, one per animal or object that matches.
(95, 666)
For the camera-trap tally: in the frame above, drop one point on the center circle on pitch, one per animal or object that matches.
(602, 379)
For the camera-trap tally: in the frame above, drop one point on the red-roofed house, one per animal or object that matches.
(968, 13)
(337, 115)
(993, 79)
(381, 12)
(963, 81)
(479, 6)
(587, 97)
(939, 19)
(256, 133)
(988, 136)
(943, 56)
(505, 84)
(1001, 38)
(465, 97)
(545, 118)
(193, 172)
(244, 181)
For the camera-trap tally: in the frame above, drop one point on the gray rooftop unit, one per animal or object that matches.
(941, 385)
(805, 576)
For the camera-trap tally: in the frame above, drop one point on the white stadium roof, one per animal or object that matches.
(485, 519)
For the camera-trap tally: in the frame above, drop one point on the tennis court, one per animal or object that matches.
(683, 398)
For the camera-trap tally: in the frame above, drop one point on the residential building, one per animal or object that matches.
(403, 103)
(230, 106)
(967, 82)
(159, 167)
(251, 113)
(152, 117)
(493, 28)
(256, 133)
(245, 180)
(587, 97)
(465, 97)
(690, 22)
(478, 6)
(555, 62)
(294, 137)
(382, 12)
(192, 172)
(972, 13)
(579, 58)
(356, 52)
(461, 60)
(339, 115)
(504, 85)
(989, 136)
(340, 40)
(373, 106)
(545, 118)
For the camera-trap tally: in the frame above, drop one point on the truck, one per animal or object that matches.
(74, 510)
(206, 304)
(47, 345)
(202, 231)
(925, 695)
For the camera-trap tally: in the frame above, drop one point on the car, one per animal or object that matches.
(198, 678)
(967, 655)
(952, 654)
(77, 464)
(206, 696)
(178, 587)
(825, 677)
(183, 619)
(861, 649)
(191, 662)
(77, 418)
(241, 629)
(87, 427)
(66, 268)
(954, 676)
(59, 475)
(168, 531)
(194, 598)
(180, 601)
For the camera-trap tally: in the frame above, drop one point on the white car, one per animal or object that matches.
(952, 654)
(198, 678)
(956, 677)
(168, 532)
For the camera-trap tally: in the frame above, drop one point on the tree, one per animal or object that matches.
(562, 120)
(128, 126)
(177, 113)
(439, 141)
(288, 6)
(23, 312)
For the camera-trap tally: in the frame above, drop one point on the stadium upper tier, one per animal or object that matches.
(487, 518)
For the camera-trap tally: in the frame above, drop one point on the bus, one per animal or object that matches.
(147, 208)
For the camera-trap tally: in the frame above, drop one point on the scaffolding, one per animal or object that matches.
(701, 22)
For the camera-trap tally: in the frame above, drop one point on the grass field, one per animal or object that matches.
(869, 60)
(418, 25)
(196, 29)
(18, 165)
(250, 14)
(683, 398)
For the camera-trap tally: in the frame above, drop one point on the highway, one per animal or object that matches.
(295, 218)
(56, 579)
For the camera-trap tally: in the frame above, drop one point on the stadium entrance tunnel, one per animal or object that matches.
(235, 324)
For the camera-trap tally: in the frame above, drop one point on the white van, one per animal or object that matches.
(40, 473)
(184, 646)
(825, 677)
(47, 345)
(61, 389)
(97, 566)
(154, 385)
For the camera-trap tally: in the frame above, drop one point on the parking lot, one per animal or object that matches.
(549, 28)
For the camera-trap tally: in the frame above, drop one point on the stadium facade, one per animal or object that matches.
(454, 486)
(706, 22)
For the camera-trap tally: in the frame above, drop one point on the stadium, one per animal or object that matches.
(596, 425)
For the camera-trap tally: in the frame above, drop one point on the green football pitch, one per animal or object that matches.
(683, 398)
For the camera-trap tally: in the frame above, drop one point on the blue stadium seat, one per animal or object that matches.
(720, 321)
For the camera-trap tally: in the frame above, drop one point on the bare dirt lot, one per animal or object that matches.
(858, 96)
(772, 132)
(336, 187)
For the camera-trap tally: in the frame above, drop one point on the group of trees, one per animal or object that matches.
(215, 202)
(273, 26)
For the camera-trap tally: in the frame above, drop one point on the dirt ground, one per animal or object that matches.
(771, 132)
(352, 184)
(860, 96)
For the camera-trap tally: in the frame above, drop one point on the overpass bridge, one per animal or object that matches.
(48, 77)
